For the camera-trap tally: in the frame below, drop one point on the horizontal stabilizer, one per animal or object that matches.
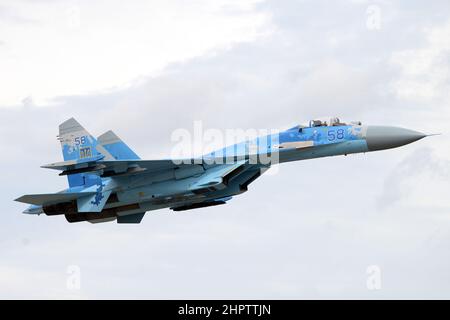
(52, 198)
(73, 164)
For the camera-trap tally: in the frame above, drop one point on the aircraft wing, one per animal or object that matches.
(219, 176)
(52, 198)
(217, 180)
(115, 167)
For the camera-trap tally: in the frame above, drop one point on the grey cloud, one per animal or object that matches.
(309, 231)
(421, 161)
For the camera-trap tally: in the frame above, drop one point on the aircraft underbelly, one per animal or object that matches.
(184, 191)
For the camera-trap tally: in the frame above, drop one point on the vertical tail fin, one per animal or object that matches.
(78, 144)
(116, 147)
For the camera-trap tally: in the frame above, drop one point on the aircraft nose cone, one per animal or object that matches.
(383, 137)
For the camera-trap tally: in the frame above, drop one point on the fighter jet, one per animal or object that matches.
(108, 181)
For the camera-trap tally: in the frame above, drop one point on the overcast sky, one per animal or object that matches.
(312, 230)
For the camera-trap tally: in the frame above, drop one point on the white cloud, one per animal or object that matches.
(407, 183)
(425, 71)
(80, 47)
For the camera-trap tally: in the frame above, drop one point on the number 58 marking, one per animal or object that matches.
(335, 134)
(80, 140)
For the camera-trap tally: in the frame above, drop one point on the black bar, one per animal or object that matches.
(230, 309)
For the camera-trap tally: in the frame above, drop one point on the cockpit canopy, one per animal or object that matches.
(334, 122)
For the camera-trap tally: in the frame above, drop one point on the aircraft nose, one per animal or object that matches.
(383, 137)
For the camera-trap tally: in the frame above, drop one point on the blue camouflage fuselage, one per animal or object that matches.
(300, 143)
(280, 147)
(107, 180)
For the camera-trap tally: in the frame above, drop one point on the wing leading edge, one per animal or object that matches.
(52, 198)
